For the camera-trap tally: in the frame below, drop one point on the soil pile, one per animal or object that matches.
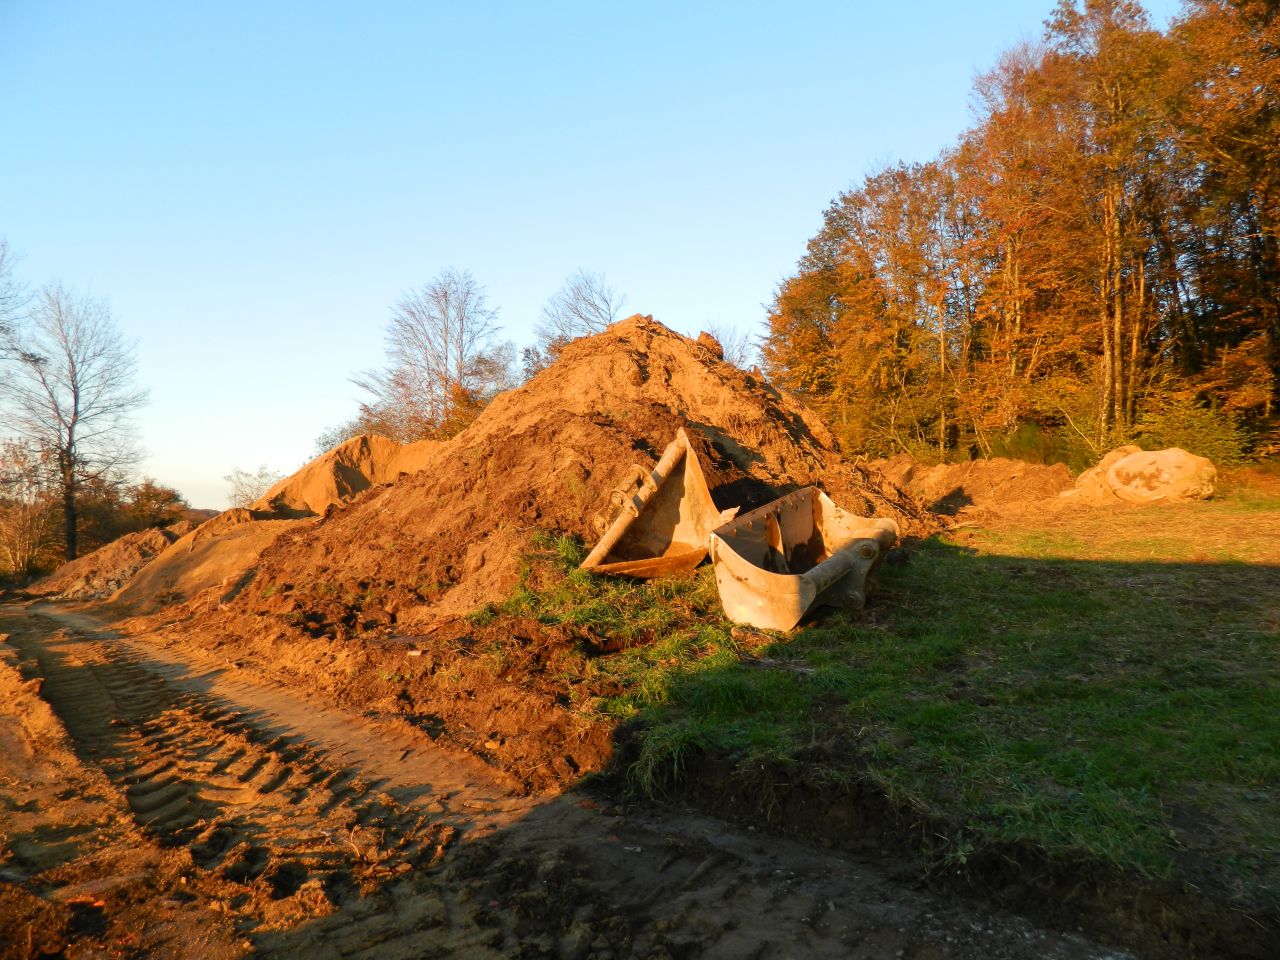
(208, 565)
(105, 570)
(546, 457)
(367, 603)
(342, 473)
(994, 484)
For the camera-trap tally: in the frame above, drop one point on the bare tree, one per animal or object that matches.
(442, 362)
(13, 299)
(586, 304)
(246, 487)
(337, 434)
(738, 347)
(72, 395)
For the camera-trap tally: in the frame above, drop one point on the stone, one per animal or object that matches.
(1171, 474)
(1092, 484)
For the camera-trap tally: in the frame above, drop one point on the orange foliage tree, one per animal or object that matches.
(1103, 241)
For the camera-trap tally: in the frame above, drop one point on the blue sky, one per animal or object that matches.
(252, 185)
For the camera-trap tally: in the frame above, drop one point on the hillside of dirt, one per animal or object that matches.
(546, 457)
(208, 564)
(343, 472)
(373, 595)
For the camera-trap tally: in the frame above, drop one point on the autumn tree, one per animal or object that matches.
(1223, 95)
(149, 503)
(71, 394)
(28, 507)
(1098, 250)
(1106, 62)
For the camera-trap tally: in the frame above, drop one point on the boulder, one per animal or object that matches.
(1172, 474)
(1092, 484)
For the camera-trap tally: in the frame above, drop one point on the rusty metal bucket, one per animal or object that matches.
(666, 518)
(801, 551)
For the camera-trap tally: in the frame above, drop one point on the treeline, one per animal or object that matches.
(1096, 260)
(33, 519)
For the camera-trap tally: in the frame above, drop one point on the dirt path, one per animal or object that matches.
(293, 828)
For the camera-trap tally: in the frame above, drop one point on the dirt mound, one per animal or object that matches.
(994, 484)
(546, 457)
(342, 473)
(212, 561)
(400, 566)
(208, 564)
(107, 569)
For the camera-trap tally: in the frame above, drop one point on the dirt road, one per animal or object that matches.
(170, 804)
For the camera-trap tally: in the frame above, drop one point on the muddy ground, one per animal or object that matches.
(159, 801)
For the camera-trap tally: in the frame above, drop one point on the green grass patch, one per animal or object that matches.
(1108, 688)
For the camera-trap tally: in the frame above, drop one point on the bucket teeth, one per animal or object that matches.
(664, 521)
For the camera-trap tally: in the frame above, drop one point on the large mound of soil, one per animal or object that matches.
(211, 563)
(546, 457)
(995, 484)
(102, 572)
(335, 602)
(343, 472)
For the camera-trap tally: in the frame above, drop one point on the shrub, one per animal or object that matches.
(1180, 422)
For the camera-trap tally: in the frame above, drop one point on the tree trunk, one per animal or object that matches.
(69, 514)
(1136, 323)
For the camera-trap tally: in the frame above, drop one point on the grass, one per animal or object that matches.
(1103, 685)
(660, 629)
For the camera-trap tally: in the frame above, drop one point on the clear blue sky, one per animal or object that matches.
(252, 185)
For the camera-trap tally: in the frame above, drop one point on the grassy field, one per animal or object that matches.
(1101, 684)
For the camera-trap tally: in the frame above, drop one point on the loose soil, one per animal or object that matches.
(107, 569)
(546, 457)
(163, 802)
(343, 472)
(996, 485)
(205, 567)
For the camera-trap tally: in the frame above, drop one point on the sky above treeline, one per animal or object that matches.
(251, 186)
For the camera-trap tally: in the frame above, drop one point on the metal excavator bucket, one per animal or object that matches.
(798, 552)
(665, 521)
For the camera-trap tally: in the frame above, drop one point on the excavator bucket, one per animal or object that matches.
(801, 551)
(666, 518)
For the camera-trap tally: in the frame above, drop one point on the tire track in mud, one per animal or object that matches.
(324, 834)
(294, 812)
